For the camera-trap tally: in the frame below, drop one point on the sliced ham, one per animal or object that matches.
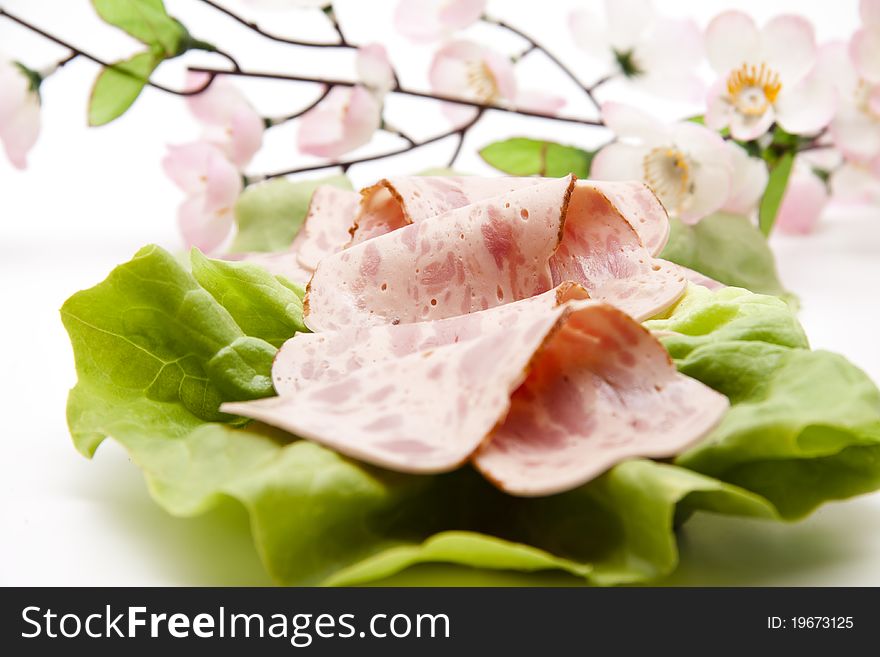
(393, 203)
(310, 358)
(489, 253)
(603, 391)
(543, 404)
(325, 231)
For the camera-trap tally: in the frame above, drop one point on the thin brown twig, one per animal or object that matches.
(101, 62)
(269, 121)
(273, 37)
(400, 90)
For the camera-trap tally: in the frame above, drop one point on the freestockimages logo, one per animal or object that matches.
(300, 629)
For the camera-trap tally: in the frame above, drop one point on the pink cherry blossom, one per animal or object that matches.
(468, 70)
(688, 166)
(229, 120)
(345, 120)
(658, 54)
(855, 182)
(748, 180)
(865, 43)
(765, 75)
(211, 184)
(422, 20)
(19, 113)
(806, 196)
(374, 68)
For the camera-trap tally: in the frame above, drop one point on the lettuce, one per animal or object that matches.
(158, 348)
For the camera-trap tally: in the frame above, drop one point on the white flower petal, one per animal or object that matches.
(731, 39)
(627, 21)
(852, 182)
(746, 128)
(870, 12)
(788, 46)
(619, 162)
(834, 65)
(590, 33)
(747, 183)
(627, 122)
(865, 51)
(807, 107)
(711, 188)
(855, 133)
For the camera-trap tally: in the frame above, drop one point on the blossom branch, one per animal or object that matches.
(400, 90)
(97, 60)
(269, 121)
(534, 45)
(346, 164)
(342, 43)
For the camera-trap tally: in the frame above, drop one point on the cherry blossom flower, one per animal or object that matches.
(422, 20)
(345, 120)
(855, 129)
(688, 166)
(856, 182)
(374, 68)
(765, 76)
(806, 196)
(748, 180)
(658, 54)
(19, 111)
(865, 43)
(230, 122)
(212, 185)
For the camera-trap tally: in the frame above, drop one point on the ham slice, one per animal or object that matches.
(543, 402)
(310, 358)
(493, 252)
(325, 231)
(397, 202)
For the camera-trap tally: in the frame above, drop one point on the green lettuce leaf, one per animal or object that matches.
(259, 302)
(728, 248)
(269, 214)
(804, 427)
(521, 156)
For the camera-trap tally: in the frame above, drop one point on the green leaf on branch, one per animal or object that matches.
(728, 248)
(269, 214)
(147, 21)
(521, 156)
(119, 85)
(772, 198)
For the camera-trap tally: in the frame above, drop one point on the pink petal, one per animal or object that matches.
(223, 183)
(216, 104)
(246, 136)
(626, 121)
(343, 121)
(865, 51)
(805, 198)
(374, 68)
(870, 12)
(673, 48)
(788, 45)
(855, 183)
(432, 19)
(731, 39)
(186, 165)
(856, 133)
(203, 229)
(468, 70)
(19, 114)
(807, 107)
(718, 110)
(538, 101)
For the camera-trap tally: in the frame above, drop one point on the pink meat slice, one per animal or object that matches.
(393, 203)
(697, 278)
(490, 253)
(583, 367)
(310, 358)
(325, 231)
(603, 391)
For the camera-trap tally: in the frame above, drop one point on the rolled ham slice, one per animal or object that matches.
(489, 253)
(393, 203)
(325, 231)
(543, 404)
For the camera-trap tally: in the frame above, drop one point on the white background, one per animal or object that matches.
(92, 197)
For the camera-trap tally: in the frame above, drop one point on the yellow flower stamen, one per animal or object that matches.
(482, 82)
(668, 172)
(753, 89)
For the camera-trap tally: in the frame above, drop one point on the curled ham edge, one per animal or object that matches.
(647, 289)
(633, 396)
